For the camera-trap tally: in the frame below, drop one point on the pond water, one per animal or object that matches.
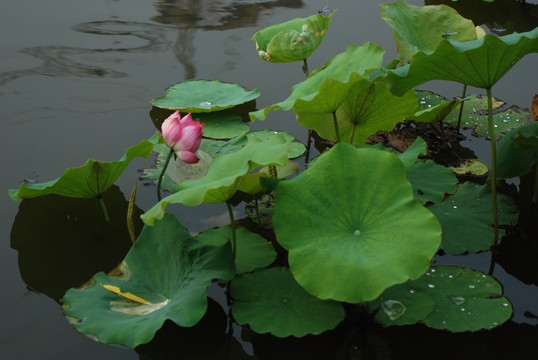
(76, 78)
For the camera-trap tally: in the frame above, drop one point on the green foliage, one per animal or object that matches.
(203, 96)
(167, 271)
(518, 151)
(294, 40)
(270, 300)
(333, 221)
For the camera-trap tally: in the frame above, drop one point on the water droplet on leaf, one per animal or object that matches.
(393, 308)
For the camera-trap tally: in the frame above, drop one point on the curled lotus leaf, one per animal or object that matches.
(424, 27)
(352, 226)
(293, 40)
(479, 63)
(199, 96)
(163, 277)
(518, 151)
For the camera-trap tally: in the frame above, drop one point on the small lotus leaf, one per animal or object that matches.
(424, 27)
(201, 96)
(479, 63)
(90, 180)
(467, 218)
(435, 113)
(470, 167)
(253, 251)
(271, 301)
(352, 226)
(367, 108)
(431, 181)
(411, 154)
(224, 175)
(517, 151)
(164, 276)
(356, 59)
(293, 40)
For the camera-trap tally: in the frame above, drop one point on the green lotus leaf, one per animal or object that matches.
(479, 63)
(356, 59)
(471, 167)
(90, 180)
(448, 298)
(518, 151)
(201, 96)
(431, 181)
(293, 40)
(222, 125)
(163, 277)
(296, 148)
(467, 217)
(253, 251)
(411, 154)
(436, 113)
(475, 116)
(224, 175)
(333, 220)
(367, 108)
(424, 27)
(271, 301)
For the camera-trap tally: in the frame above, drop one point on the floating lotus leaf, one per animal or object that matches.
(431, 181)
(463, 300)
(424, 27)
(352, 226)
(163, 277)
(367, 108)
(479, 63)
(201, 96)
(437, 113)
(253, 251)
(293, 40)
(467, 218)
(224, 175)
(221, 125)
(271, 301)
(356, 59)
(472, 167)
(90, 180)
(517, 151)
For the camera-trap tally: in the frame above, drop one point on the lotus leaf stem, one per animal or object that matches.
(305, 68)
(493, 178)
(461, 107)
(103, 207)
(335, 122)
(232, 225)
(162, 173)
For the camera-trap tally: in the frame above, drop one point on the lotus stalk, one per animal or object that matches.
(232, 226)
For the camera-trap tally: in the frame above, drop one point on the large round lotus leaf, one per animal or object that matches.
(90, 180)
(479, 63)
(225, 175)
(203, 96)
(352, 226)
(221, 125)
(518, 151)
(293, 40)
(467, 218)
(271, 301)
(431, 181)
(367, 108)
(356, 59)
(253, 251)
(465, 300)
(164, 276)
(424, 27)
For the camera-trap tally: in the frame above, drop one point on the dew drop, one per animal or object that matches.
(431, 286)
(412, 291)
(455, 207)
(357, 232)
(505, 304)
(471, 287)
(393, 308)
(458, 300)
(205, 103)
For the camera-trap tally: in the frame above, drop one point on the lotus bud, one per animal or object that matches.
(183, 135)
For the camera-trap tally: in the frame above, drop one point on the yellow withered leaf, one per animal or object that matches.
(126, 295)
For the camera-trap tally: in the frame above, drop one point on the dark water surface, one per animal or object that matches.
(76, 78)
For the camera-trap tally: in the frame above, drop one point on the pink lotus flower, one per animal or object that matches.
(183, 135)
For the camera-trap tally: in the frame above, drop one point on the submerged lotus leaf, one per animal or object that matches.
(430, 181)
(424, 27)
(467, 218)
(221, 125)
(446, 298)
(163, 277)
(367, 108)
(518, 151)
(271, 301)
(253, 251)
(200, 96)
(479, 63)
(352, 226)
(224, 175)
(356, 59)
(90, 180)
(293, 40)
